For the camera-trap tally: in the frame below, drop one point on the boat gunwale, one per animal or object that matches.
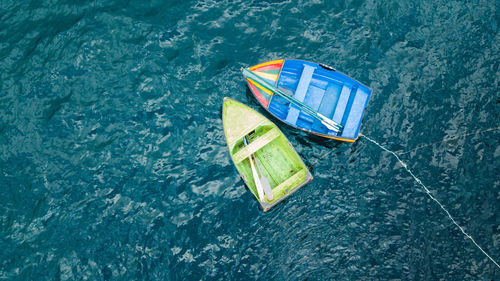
(308, 176)
(325, 69)
(340, 138)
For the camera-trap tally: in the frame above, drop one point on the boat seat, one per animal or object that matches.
(342, 103)
(300, 93)
(255, 145)
(353, 121)
(328, 104)
(291, 181)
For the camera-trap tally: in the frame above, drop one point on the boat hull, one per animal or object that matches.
(329, 92)
(278, 160)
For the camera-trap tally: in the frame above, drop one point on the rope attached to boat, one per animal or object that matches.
(432, 197)
(405, 166)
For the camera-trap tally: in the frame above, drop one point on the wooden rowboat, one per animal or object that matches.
(267, 148)
(320, 87)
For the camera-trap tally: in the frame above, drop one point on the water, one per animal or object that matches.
(113, 163)
(426, 189)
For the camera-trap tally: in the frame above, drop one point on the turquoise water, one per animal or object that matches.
(113, 164)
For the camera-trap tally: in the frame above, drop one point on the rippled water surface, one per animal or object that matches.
(113, 163)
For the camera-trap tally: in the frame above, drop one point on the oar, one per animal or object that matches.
(258, 185)
(330, 124)
(265, 183)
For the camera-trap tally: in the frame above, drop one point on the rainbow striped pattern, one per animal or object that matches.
(327, 91)
(270, 72)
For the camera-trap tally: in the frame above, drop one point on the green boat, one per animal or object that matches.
(267, 162)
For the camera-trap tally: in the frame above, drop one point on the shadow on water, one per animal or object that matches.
(117, 167)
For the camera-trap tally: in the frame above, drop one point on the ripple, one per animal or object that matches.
(113, 161)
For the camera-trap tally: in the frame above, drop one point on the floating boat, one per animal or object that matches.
(320, 88)
(262, 154)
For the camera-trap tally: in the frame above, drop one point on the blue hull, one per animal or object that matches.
(329, 92)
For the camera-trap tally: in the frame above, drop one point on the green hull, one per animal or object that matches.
(279, 161)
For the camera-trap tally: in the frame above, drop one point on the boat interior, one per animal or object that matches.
(331, 93)
(279, 163)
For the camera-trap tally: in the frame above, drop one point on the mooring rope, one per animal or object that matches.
(432, 197)
(419, 147)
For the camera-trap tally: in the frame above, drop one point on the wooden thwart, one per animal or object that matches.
(255, 145)
(291, 181)
(300, 93)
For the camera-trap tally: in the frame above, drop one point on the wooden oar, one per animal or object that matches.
(265, 183)
(258, 185)
(330, 124)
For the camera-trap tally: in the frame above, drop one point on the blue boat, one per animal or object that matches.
(315, 88)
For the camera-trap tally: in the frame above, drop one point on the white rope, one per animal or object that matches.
(432, 197)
